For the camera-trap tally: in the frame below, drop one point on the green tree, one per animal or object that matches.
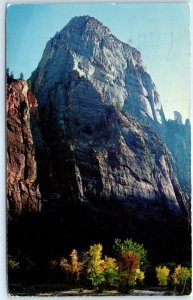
(131, 256)
(128, 245)
(29, 84)
(11, 77)
(181, 277)
(95, 265)
(111, 271)
(21, 77)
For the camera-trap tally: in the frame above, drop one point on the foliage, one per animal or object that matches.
(29, 84)
(21, 77)
(111, 271)
(139, 275)
(162, 274)
(130, 269)
(13, 264)
(181, 275)
(95, 265)
(128, 245)
(74, 267)
(9, 76)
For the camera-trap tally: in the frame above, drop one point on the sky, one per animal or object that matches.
(161, 32)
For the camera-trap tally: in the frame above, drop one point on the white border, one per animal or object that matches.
(3, 274)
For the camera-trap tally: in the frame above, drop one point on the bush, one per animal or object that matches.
(162, 274)
(74, 268)
(111, 271)
(131, 256)
(128, 245)
(13, 264)
(95, 265)
(130, 269)
(181, 277)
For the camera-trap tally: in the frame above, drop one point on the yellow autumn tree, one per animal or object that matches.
(162, 274)
(111, 271)
(95, 265)
(74, 267)
(181, 276)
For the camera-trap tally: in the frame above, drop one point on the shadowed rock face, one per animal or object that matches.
(22, 187)
(97, 129)
(99, 113)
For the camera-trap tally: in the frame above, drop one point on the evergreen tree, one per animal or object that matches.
(21, 76)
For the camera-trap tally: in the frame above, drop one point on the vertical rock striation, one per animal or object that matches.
(99, 114)
(22, 187)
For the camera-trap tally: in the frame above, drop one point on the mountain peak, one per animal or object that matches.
(86, 22)
(113, 68)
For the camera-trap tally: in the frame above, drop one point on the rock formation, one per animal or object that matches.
(107, 163)
(178, 117)
(179, 143)
(99, 114)
(115, 70)
(22, 187)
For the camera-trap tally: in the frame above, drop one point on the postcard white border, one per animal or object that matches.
(3, 3)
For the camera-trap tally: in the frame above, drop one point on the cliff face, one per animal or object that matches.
(99, 113)
(114, 69)
(22, 187)
(178, 140)
(98, 131)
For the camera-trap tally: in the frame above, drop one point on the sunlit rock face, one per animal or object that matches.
(22, 188)
(114, 69)
(99, 114)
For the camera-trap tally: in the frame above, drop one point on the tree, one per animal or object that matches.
(128, 245)
(29, 84)
(74, 267)
(9, 76)
(162, 274)
(7, 73)
(95, 265)
(130, 269)
(21, 77)
(181, 276)
(131, 256)
(111, 271)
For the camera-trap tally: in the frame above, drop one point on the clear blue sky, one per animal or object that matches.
(159, 31)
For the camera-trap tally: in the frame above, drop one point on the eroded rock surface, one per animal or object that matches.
(22, 187)
(99, 114)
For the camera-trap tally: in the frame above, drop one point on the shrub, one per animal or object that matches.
(128, 245)
(181, 276)
(95, 265)
(111, 271)
(13, 264)
(74, 267)
(131, 256)
(129, 268)
(162, 274)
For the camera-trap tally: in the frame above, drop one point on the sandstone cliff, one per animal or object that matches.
(99, 114)
(22, 187)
